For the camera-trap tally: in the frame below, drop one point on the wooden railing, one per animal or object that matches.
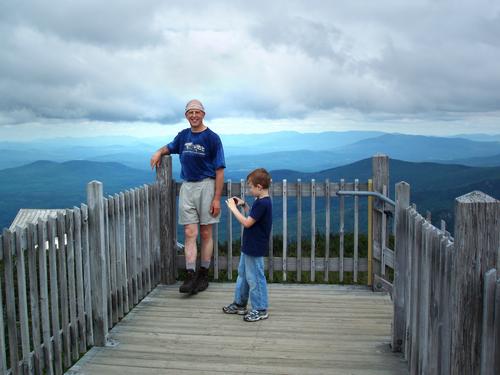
(446, 292)
(67, 280)
(305, 265)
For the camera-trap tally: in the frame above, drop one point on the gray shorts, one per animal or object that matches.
(195, 199)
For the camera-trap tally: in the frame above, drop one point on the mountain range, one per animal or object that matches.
(306, 152)
(47, 184)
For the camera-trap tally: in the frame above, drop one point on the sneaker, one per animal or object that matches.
(256, 315)
(189, 285)
(202, 279)
(235, 309)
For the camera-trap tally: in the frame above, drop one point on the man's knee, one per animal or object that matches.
(206, 232)
(190, 231)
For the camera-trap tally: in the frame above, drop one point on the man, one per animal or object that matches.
(202, 170)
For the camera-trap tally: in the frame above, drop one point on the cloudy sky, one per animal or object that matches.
(128, 67)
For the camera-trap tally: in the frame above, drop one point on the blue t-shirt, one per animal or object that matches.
(256, 238)
(201, 154)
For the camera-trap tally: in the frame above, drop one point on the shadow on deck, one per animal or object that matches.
(312, 329)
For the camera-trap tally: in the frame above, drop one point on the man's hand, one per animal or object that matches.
(215, 207)
(156, 159)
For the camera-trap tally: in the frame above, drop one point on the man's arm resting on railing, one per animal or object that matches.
(156, 158)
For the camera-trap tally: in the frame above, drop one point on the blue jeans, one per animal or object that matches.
(251, 282)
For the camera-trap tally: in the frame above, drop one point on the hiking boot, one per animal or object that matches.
(189, 285)
(202, 279)
(234, 308)
(256, 315)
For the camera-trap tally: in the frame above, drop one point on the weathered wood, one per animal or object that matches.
(327, 228)
(80, 295)
(134, 248)
(380, 173)
(400, 296)
(34, 296)
(63, 287)
(167, 220)
(42, 230)
(3, 358)
(125, 259)
(112, 297)
(119, 256)
(299, 229)
(70, 259)
(444, 314)
(271, 245)
(488, 321)
(87, 282)
(147, 239)
(477, 228)
(423, 302)
(356, 233)
(54, 295)
(139, 243)
(496, 326)
(313, 230)
(229, 235)
(10, 298)
(383, 236)
(341, 231)
(383, 285)
(433, 324)
(415, 235)
(22, 298)
(129, 249)
(285, 230)
(370, 235)
(98, 262)
(107, 256)
(339, 338)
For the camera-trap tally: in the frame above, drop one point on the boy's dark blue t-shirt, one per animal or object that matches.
(201, 154)
(256, 238)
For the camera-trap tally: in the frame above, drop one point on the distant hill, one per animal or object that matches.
(46, 184)
(485, 161)
(307, 152)
(419, 148)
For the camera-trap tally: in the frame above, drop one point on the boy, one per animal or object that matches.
(251, 281)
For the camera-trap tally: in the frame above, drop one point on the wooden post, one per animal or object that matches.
(477, 239)
(98, 268)
(380, 172)
(167, 218)
(370, 236)
(401, 272)
(488, 333)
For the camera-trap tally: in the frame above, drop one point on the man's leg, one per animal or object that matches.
(207, 248)
(207, 244)
(190, 251)
(190, 235)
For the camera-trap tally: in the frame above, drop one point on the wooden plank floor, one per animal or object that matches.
(312, 329)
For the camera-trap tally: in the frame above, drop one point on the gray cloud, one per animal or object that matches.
(141, 61)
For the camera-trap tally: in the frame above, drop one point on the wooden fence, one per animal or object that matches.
(324, 193)
(446, 291)
(67, 280)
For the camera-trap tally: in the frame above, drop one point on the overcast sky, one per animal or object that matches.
(128, 67)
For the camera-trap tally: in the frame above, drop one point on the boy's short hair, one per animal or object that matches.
(260, 177)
